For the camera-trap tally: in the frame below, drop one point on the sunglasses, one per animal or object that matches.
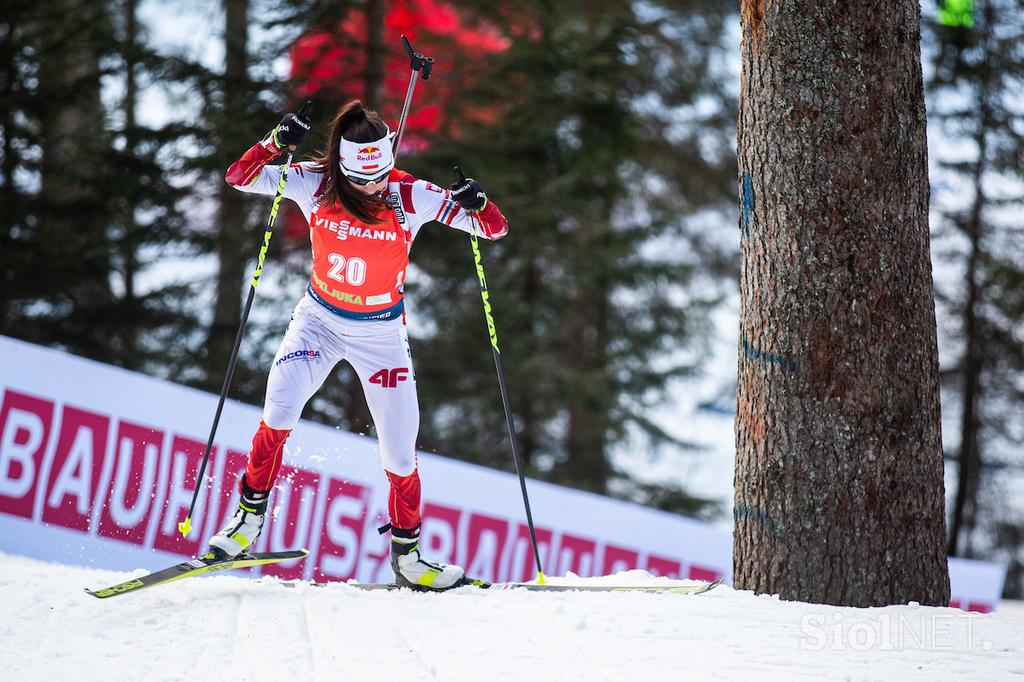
(363, 181)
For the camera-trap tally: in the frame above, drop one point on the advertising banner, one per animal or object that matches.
(98, 465)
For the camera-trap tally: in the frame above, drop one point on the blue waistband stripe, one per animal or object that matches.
(386, 314)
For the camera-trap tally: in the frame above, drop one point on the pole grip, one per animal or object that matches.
(418, 62)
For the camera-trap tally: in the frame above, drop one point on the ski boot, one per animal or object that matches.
(413, 571)
(244, 527)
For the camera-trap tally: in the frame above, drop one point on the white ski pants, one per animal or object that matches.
(315, 342)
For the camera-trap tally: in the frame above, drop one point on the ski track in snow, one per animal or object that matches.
(234, 628)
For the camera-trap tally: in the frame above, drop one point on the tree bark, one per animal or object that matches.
(839, 490)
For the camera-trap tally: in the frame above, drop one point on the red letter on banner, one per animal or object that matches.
(186, 456)
(701, 573)
(670, 568)
(342, 534)
(25, 423)
(576, 554)
(618, 559)
(77, 465)
(290, 518)
(129, 504)
(523, 566)
(439, 532)
(487, 536)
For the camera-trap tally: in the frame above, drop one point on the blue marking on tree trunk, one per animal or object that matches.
(748, 202)
(781, 361)
(755, 514)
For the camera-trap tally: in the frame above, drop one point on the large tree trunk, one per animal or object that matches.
(10, 28)
(130, 328)
(353, 402)
(525, 402)
(376, 52)
(73, 226)
(969, 457)
(839, 491)
(231, 217)
(588, 409)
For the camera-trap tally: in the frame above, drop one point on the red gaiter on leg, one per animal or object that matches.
(404, 500)
(265, 457)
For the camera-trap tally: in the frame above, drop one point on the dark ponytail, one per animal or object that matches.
(356, 124)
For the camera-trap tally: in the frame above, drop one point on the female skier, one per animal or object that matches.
(363, 216)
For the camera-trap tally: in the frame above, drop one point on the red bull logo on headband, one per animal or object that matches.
(368, 155)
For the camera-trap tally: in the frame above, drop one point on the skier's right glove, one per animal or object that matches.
(469, 194)
(291, 130)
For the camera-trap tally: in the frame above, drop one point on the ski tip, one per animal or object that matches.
(185, 526)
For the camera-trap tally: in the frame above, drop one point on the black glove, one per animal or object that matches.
(469, 194)
(292, 128)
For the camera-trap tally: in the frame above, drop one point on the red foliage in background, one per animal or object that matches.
(330, 66)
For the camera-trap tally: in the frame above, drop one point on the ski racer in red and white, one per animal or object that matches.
(363, 215)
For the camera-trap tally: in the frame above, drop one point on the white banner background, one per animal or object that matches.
(97, 466)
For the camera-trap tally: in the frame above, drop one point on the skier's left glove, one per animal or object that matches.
(469, 194)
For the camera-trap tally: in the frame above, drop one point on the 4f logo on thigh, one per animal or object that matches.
(389, 378)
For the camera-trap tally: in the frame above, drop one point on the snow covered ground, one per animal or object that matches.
(234, 628)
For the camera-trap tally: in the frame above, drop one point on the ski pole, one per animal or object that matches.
(492, 331)
(185, 526)
(417, 62)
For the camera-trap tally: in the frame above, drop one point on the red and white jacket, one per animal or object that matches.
(359, 270)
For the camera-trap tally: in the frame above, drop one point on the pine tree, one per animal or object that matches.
(233, 223)
(579, 130)
(59, 287)
(76, 177)
(624, 154)
(978, 68)
(153, 323)
(323, 40)
(241, 102)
